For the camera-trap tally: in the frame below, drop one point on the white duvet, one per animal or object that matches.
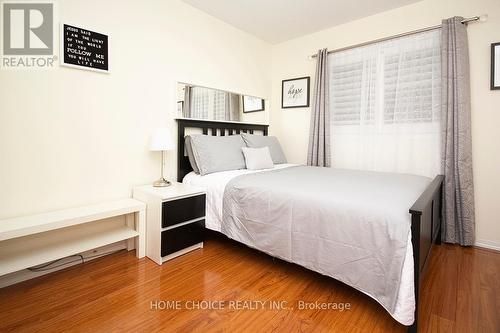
(215, 186)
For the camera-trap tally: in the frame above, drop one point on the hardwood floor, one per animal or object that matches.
(115, 293)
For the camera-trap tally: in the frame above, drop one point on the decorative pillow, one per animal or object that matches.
(217, 153)
(258, 158)
(189, 152)
(259, 141)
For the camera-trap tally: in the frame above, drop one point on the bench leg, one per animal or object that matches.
(140, 223)
(130, 221)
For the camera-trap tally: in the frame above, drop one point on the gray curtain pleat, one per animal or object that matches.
(186, 109)
(458, 196)
(232, 107)
(318, 153)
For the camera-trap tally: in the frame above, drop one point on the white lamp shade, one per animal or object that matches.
(161, 140)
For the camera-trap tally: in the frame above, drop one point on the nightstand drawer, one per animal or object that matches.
(182, 210)
(179, 238)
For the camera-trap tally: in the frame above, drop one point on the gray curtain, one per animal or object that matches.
(186, 109)
(458, 197)
(319, 133)
(232, 107)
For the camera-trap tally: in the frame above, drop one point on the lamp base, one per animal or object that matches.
(162, 182)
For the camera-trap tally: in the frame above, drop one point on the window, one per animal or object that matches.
(385, 102)
(353, 101)
(208, 103)
(214, 104)
(411, 86)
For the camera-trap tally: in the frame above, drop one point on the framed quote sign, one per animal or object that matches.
(295, 93)
(84, 49)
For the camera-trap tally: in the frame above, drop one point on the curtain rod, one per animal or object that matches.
(481, 18)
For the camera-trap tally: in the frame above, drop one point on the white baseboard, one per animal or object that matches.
(26, 274)
(487, 244)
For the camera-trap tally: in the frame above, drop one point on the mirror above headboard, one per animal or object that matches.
(198, 102)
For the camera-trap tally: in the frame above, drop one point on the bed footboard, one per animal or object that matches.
(425, 230)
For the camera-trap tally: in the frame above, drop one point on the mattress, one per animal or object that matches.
(221, 186)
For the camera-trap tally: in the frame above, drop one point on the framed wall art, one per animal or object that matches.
(84, 49)
(295, 93)
(495, 66)
(252, 104)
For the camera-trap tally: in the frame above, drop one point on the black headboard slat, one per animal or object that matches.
(183, 165)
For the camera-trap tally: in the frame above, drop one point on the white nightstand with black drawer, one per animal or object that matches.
(175, 220)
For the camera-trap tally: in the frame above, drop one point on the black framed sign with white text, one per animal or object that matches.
(84, 49)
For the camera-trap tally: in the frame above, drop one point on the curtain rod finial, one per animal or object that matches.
(483, 18)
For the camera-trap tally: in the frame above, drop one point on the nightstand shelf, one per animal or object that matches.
(175, 219)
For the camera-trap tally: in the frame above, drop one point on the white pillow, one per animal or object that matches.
(259, 141)
(258, 158)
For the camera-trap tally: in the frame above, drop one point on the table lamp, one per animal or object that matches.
(161, 141)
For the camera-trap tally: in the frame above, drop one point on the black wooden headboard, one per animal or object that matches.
(216, 128)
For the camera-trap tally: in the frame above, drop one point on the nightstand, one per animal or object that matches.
(175, 219)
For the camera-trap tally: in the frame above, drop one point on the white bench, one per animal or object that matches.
(33, 240)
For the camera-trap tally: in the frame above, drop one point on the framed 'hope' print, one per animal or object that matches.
(295, 93)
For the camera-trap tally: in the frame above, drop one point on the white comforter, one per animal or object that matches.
(215, 186)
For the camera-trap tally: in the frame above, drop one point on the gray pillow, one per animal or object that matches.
(259, 141)
(189, 152)
(217, 153)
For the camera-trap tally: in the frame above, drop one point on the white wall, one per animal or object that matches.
(290, 59)
(70, 137)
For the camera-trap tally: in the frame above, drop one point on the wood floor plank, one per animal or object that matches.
(489, 296)
(439, 324)
(468, 306)
(116, 293)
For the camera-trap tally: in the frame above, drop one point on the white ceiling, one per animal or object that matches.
(276, 21)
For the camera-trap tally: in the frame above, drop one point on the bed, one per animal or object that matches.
(340, 223)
